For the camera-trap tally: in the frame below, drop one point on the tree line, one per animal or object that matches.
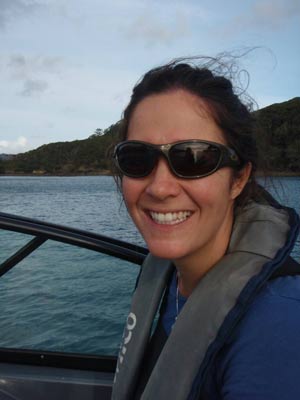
(278, 137)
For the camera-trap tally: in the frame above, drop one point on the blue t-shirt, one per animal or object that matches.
(261, 360)
(170, 311)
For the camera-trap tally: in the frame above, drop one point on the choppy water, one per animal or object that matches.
(66, 299)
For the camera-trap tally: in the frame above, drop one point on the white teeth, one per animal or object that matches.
(170, 218)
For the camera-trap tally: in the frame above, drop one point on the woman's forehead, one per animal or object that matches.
(172, 116)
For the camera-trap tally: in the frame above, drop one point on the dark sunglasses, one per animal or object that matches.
(187, 159)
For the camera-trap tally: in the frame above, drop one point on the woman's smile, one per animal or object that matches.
(169, 218)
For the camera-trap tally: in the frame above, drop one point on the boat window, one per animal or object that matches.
(63, 298)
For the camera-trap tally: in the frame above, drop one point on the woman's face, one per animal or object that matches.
(179, 218)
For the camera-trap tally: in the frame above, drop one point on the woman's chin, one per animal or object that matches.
(168, 251)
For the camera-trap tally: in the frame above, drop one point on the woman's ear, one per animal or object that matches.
(240, 181)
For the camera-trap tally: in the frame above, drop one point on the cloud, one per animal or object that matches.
(33, 72)
(33, 87)
(10, 9)
(274, 13)
(13, 145)
(155, 28)
(24, 66)
(264, 15)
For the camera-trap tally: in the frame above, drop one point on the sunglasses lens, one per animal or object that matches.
(136, 159)
(194, 159)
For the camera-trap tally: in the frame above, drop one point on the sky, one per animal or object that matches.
(67, 67)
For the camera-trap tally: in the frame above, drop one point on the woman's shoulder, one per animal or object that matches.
(276, 305)
(283, 289)
(262, 357)
(278, 298)
(275, 309)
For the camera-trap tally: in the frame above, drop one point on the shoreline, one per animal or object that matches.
(107, 173)
(98, 173)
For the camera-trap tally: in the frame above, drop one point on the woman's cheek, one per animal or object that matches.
(126, 190)
(131, 189)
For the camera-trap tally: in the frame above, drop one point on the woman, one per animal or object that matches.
(187, 165)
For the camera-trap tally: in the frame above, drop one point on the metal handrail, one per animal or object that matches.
(77, 237)
(43, 231)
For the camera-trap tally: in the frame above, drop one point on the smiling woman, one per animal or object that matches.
(201, 238)
(186, 167)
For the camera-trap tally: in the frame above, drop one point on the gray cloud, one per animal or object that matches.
(22, 66)
(10, 9)
(264, 15)
(152, 29)
(274, 13)
(33, 87)
(33, 73)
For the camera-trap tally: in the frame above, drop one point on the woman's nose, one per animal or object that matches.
(162, 183)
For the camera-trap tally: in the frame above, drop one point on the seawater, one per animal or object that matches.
(62, 298)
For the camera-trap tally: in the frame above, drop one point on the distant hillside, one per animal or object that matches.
(86, 156)
(278, 135)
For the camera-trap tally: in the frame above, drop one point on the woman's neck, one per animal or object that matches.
(192, 268)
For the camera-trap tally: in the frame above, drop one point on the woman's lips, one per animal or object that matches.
(169, 218)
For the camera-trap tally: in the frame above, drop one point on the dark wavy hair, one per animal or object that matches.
(211, 79)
